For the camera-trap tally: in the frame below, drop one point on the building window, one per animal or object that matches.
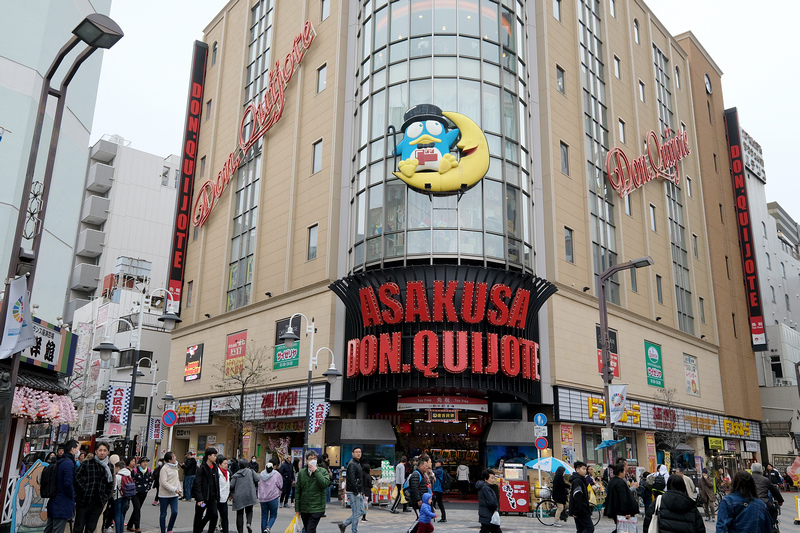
(634, 283)
(560, 79)
(195, 233)
(702, 311)
(312, 242)
(677, 77)
(564, 158)
(316, 163)
(617, 68)
(214, 55)
(653, 217)
(727, 267)
(189, 290)
(694, 244)
(783, 270)
(322, 73)
(636, 31)
(570, 256)
(326, 9)
(557, 9)
(612, 7)
(622, 131)
(659, 292)
(722, 220)
(202, 166)
(772, 293)
(769, 262)
(733, 318)
(628, 209)
(208, 109)
(715, 164)
(708, 105)
(688, 186)
(641, 90)
(786, 299)
(764, 228)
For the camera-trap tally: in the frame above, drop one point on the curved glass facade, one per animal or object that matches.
(466, 56)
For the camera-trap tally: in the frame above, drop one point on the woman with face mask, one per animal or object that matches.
(269, 494)
(169, 491)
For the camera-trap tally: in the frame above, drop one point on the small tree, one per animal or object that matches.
(666, 420)
(254, 371)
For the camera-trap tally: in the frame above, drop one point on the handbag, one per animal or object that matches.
(654, 521)
(495, 521)
(628, 525)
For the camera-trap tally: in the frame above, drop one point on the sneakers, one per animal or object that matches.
(557, 524)
(443, 520)
(342, 527)
(249, 528)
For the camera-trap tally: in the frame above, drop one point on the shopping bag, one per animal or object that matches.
(592, 495)
(403, 497)
(298, 526)
(291, 526)
(627, 525)
(394, 493)
(495, 519)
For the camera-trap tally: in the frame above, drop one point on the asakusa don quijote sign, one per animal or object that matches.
(262, 116)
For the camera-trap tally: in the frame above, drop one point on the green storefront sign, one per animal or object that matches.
(286, 358)
(652, 360)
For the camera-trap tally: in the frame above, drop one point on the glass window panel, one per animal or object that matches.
(491, 73)
(512, 153)
(445, 211)
(395, 245)
(419, 242)
(526, 217)
(375, 214)
(421, 46)
(507, 27)
(359, 254)
(381, 19)
(494, 246)
(398, 73)
(398, 104)
(419, 210)
(367, 40)
(421, 68)
(468, 47)
(493, 205)
(362, 180)
(469, 100)
(470, 208)
(395, 205)
(469, 68)
(399, 21)
(444, 45)
(364, 122)
(489, 25)
(446, 66)
(471, 242)
(495, 169)
(378, 114)
(444, 92)
(468, 17)
(378, 149)
(380, 59)
(510, 115)
(445, 241)
(445, 17)
(511, 172)
(376, 172)
(360, 217)
(491, 52)
(398, 51)
(421, 92)
(373, 249)
(494, 142)
(514, 251)
(491, 108)
(421, 17)
(513, 212)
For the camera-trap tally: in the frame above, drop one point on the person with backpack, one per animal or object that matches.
(417, 483)
(124, 491)
(579, 506)
(93, 485)
(143, 477)
(443, 482)
(741, 511)
(354, 482)
(675, 511)
(58, 484)
(169, 490)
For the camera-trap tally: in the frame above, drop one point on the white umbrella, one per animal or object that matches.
(549, 464)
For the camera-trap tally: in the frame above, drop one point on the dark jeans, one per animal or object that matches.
(108, 515)
(437, 500)
(286, 492)
(222, 509)
(584, 524)
(269, 513)
(168, 503)
(397, 499)
(463, 488)
(55, 525)
(188, 481)
(86, 517)
(205, 515)
(310, 521)
(240, 518)
(490, 528)
(120, 508)
(136, 515)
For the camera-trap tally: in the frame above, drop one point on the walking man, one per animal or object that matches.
(309, 497)
(61, 506)
(579, 499)
(205, 491)
(189, 471)
(399, 479)
(354, 483)
(287, 472)
(418, 482)
(93, 484)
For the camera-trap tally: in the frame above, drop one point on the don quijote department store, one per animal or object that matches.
(435, 186)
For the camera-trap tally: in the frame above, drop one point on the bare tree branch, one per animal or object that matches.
(666, 421)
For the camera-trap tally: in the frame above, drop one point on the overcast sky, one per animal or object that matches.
(144, 81)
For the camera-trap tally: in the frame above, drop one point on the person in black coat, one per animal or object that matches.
(677, 513)
(560, 493)
(206, 491)
(418, 482)
(619, 500)
(287, 472)
(579, 506)
(488, 503)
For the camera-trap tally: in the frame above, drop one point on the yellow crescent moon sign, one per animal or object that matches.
(472, 167)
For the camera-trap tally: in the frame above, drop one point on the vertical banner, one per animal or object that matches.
(156, 428)
(567, 447)
(690, 373)
(617, 394)
(612, 350)
(652, 360)
(246, 430)
(117, 403)
(650, 440)
(746, 243)
(234, 353)
(317, 415)
(180, 235)
(18, 331)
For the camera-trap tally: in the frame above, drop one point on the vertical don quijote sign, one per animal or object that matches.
(180, 236)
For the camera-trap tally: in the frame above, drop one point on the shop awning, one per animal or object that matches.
(511, 433)
(364, 431)
(684, 448)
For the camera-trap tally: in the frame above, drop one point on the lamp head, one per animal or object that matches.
(168, 397)
(169, 320)
(98, 30)
(106, 350)
(643, 262)
(332, 373)
(289, 337)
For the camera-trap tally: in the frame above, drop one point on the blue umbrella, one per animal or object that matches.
(549, 464)
(608, 443)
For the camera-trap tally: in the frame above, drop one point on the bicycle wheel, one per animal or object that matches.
(546, 512)
(596, 514)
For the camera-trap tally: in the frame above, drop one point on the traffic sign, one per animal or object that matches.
(169, 418)
(540, 431)
(540, 419)
(541, 443)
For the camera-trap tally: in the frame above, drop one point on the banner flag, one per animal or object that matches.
(617, 395)
(18, 331)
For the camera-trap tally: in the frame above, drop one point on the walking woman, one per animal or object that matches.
(676, 511)
(245, 496)
(224, 492)
(269, 494)
(169, 490)
(741, 511)
(487, 503)
(560, 494)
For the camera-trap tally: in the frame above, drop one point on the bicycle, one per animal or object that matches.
(546, 510)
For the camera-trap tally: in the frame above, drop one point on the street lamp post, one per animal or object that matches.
(608, 372)
(167, 397)
(289, 338)
(97, 31)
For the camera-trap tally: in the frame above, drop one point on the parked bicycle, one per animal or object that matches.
(546, 510)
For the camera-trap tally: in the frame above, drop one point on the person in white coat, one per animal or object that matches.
(399, 479)
(169, 490)
(224, 492)
(462, 477)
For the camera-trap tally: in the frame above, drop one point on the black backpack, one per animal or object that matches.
(48, 482)
(447, 480)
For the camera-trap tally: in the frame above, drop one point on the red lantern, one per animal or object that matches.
(474, 430)
(405, 428)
